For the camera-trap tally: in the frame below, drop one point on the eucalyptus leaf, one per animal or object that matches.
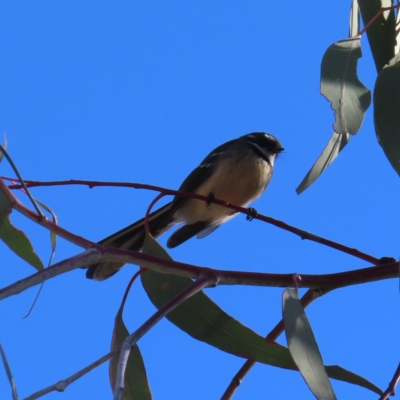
(348, 96)
(341, 86)
(335, 145)
(9, 374)
(136, 384)
(5, 203)
(387, 111)
(18, 242)
(202, 319)
(303, 347)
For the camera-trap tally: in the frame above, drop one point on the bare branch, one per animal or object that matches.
(237, 380)
(27, 192)
(377, 15)
(100, 253)
(62, 385)
(391, 390)
(86, 258)
(249, 212)
(203, 282)
(44, 221)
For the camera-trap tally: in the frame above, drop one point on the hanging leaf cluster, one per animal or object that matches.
(349, 98)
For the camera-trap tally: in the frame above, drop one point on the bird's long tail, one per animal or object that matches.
(130, 238)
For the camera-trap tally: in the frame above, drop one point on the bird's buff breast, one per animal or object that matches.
(239, 184)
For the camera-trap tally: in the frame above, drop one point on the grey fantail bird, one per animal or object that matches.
(238, 172)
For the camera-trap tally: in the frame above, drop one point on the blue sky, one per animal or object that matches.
(135, 92)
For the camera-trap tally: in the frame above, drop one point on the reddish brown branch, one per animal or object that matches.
(303, 234)
(14, 167)
(62, 385)
(375, 17)
(146, 221)
(101, 253)
(205, 280)
(128, 288)
(44, 221)
(327, 281)
(391, 390)
(306, 300)
(323, 282)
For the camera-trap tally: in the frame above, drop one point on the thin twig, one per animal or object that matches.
(391, 390)
(45, 222)
(100, 253)
(13, 166)
(327, 282)
(303, 234)
(62, 385)
(86, 258)
(146, 219)
(118, 321)
(236, 381)
(203, 282)
(375, 17)
(128, 288)
(34, 301)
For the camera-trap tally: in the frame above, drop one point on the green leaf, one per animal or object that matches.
(341, 86)
(381, 34)
(348, 96)
(14, 238)
(18, 242)
(202, 319)
(341, 374)
(335, 145)
(5, 204)
(304, 348)
(387, 111)
(136, 384)
(9, 374)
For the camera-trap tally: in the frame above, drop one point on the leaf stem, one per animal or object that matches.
(375, 17)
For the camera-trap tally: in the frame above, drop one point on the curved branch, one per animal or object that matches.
(201, 283)
(249, 212)
(101, 253)
(236, 381)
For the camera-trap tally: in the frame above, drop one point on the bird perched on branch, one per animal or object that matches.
(238, 172)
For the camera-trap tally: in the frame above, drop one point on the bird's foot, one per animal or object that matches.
(210, 199)
(252, 213)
